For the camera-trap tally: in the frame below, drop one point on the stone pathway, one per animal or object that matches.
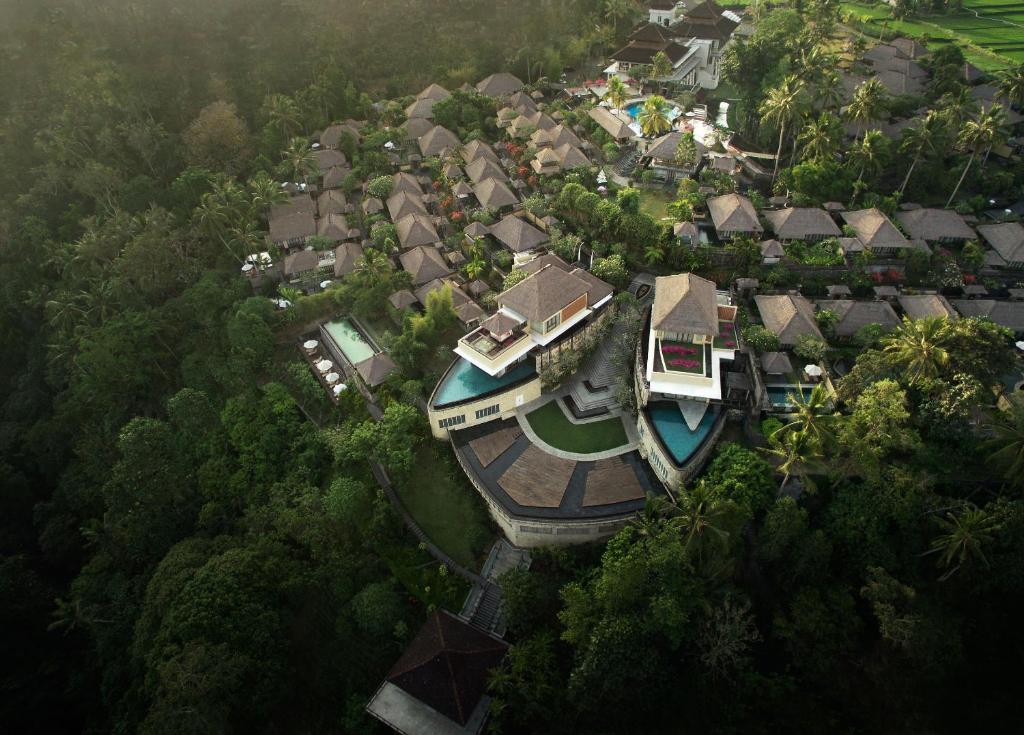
(483, 606)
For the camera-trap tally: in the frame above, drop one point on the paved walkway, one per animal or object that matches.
(634, 439)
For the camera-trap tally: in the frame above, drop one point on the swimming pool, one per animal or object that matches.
(669, 424)
(349, 340)
(633, 110)
(466, 381)
(778, 395)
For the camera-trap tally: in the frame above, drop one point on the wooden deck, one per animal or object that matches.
(537, 479)
(488, 448)
(611, 481)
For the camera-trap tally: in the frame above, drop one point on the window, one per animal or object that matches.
(489, 411)
(452, 421)
(552, 322)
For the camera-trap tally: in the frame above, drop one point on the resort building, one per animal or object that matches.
(789, 317)
(532, 318)
(679, 376)
(802, 223)
(1007, 243)
(876, 232)
(935, 225)
(734, 214)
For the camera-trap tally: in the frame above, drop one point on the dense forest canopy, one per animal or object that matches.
(191, 538)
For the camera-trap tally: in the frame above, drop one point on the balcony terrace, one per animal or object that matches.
(490, 354)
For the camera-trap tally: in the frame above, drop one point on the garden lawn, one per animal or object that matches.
(655, 203)
(552, 426)
(444, 504)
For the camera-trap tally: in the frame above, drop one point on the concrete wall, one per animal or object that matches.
(672, 475)
(507, 401)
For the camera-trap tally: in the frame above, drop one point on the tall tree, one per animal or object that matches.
(977, 136)
(869, 103)
(920, 141)
(918, 347)
(782, 108)
(653, 117)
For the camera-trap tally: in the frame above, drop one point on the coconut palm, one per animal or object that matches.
(373, 267)
(811, 416)
(920, 141)
(298, 161)
(977, 136)
(1011, 85)
(963, 535)
(616, 93)
(1006, 447)
(782, 108)
(653, 117)
(919, 347)
(957, 107)
(869, 153)
(820, 138)
(828, 90)
(798, 452)
(285, 114)
(701, 518)
(870, 101)
(264, 193)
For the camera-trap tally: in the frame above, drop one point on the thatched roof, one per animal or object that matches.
(500, 84)
(685, 304)
(855, 315)
(434, 92)
(518, 235)
(346, 258)
(484, 168)
(494, 194)
(734, 213)
(788, 316)
(424, 263)
(438, 140)
(1007, 239)
(933, 225)
(918, 306)
(1004, 313)
(802, 223)
(416, 229)
(612, 125)
(874, 229)
(376, 369)
(544, 293)
(403, 203)
(776, 363)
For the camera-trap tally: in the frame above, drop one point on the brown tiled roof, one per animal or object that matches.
(475, 149)
(800, 223)
(494, 194)
(434, 92)
(1004, 313)
(375, 370)
(404, 203)
(346, 258)
(1007, 239)
(874, 229)
(424, 263)
(934, 224)
(686, 304)
(855, 315)
(612, 125)
(517, 235)
(416, 229)
(776, 363)
(544, 293)
(447, 665)
(788, 316)
(733, 213)
(918, 306)
(500, 84)
(332, 202)
(484, 168)
(438, 140)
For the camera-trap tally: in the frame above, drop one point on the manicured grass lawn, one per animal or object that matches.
(445, 505)
(553, 427)
(655, 203)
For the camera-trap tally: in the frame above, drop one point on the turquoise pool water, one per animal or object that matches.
(349, 340)
(778, 394)
(466, 381)
(671, 427)
(633, 109)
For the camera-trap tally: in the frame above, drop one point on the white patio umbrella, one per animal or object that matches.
(332, 377)
(324, 365)
(247, 267)
(1020, 345)
(813, 370)
(310, 344)
(325, 284)
(340, 388)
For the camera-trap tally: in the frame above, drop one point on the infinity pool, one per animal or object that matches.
(671, 428)
(778, 395)
(350, 340)
(465, 381)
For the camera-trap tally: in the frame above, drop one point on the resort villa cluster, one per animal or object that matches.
(567, 401)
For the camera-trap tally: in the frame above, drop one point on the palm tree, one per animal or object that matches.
(798, 452)
(653, 117)
(617, 10)
(264, 193)
(373, 267)
(284, 113)
(654, 253)
(820, 137)
(810, 416)
(963, 535)
(957, 107)
(616, 93)
(977, 136)
(920, 140)
(1011, 85)
(782, 107)
(1006, 446)
(870, 101)
(298, 161)
(869, 153)
(661, 65)
(829, 90)
(700, 519)
(474, 268)
(918, 346)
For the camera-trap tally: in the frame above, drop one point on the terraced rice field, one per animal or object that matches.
(993, 27)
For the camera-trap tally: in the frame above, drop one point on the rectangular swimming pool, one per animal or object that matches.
(466, 381)
(349, 340)
(669, 424)
(778, 395)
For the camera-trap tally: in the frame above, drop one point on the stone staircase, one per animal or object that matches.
(483, 606)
